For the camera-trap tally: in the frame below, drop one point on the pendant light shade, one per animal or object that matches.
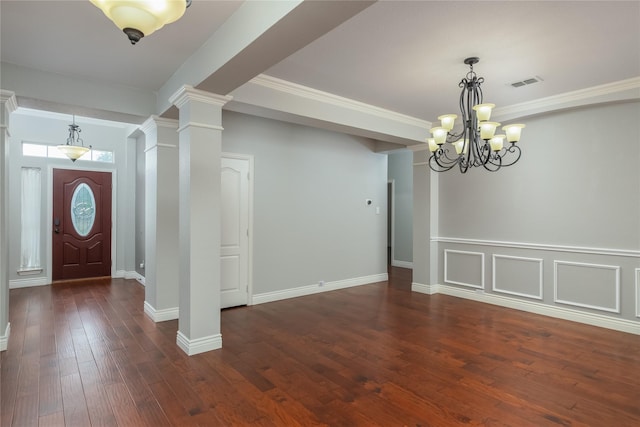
(139, 18)
(74, 148)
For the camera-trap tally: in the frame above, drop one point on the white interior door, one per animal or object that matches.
(234, 253)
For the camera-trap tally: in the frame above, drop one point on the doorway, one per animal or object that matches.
(81, 224)
(235, 238)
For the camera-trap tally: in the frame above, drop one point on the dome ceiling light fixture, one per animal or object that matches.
(139, 18)
(74, 148)
(477, 144)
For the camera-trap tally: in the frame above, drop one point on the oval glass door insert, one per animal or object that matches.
(83, 209)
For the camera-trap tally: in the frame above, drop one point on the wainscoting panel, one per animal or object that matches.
(517, 276)
(637, 292)
(464, 268)
(586, 285)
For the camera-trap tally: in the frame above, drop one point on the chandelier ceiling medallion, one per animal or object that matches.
(139, 18)
(477, 143)
(74, 148)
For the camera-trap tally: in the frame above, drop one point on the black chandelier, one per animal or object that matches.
(477, 144)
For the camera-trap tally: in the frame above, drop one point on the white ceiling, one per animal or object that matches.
(405, 56)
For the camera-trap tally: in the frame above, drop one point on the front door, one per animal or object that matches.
(81, 224)
(234, 218)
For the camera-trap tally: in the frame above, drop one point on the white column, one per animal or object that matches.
(200, 136)
(8, 104)
(161, 219)
(425, 266)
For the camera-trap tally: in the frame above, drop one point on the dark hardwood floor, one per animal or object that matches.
(85, 354)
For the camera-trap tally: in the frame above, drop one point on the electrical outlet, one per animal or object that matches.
(321, 283)
(142, 264)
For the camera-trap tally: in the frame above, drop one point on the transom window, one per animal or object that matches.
(51, 151)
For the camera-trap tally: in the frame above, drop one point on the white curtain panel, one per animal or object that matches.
(31, 200)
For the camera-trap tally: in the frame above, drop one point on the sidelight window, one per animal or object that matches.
(30, 219)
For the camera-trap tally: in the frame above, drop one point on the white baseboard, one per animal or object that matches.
(198, 345)
(4, 339)
(315, 289)
(402, 264)
(29, 282)
(122, 274)
(161, 315)
(622, 325)
(43, 281)
(424, 289)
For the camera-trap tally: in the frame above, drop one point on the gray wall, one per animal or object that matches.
(562, 226)
(401, 173)
(311, 221)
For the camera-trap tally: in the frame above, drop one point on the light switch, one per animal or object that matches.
(377, 210)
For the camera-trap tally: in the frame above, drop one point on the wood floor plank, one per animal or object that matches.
(375, 355)
(74, 401)
(55, 419)
(49, 391)
(26, 402)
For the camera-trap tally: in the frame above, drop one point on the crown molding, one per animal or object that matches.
(335, 100)
(622, 90)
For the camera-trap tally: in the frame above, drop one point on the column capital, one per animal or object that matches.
(188, 93)
(8, 104)
(155, 122)
(8, 99)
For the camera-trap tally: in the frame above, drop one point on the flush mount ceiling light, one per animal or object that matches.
(477, 144)
(74, 148)
(139, 18)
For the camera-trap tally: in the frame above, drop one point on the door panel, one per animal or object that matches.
(81, 224)
(234, 251)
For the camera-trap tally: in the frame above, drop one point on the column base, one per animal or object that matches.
(198, 345)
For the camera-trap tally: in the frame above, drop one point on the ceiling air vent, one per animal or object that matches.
(526, 82)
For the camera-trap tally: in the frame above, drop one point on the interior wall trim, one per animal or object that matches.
(331, 99)
(198, 345)
(600, 320)
(29, 282)
(315, 289)
(540, 246)
(4, 339)
(161, 315)
(623, 90)
(448, 252)
(637, 292)
(402, 264)
(616, 282)
(494, 266)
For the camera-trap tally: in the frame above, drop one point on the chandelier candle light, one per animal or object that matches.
(74, 148)
(477, 144)
(139, 18)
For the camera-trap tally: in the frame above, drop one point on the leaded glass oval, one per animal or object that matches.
(83, 209)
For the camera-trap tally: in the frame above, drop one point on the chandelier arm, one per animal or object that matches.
(517, 152)
(440, 167)
(442, 158)
(495, 161)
